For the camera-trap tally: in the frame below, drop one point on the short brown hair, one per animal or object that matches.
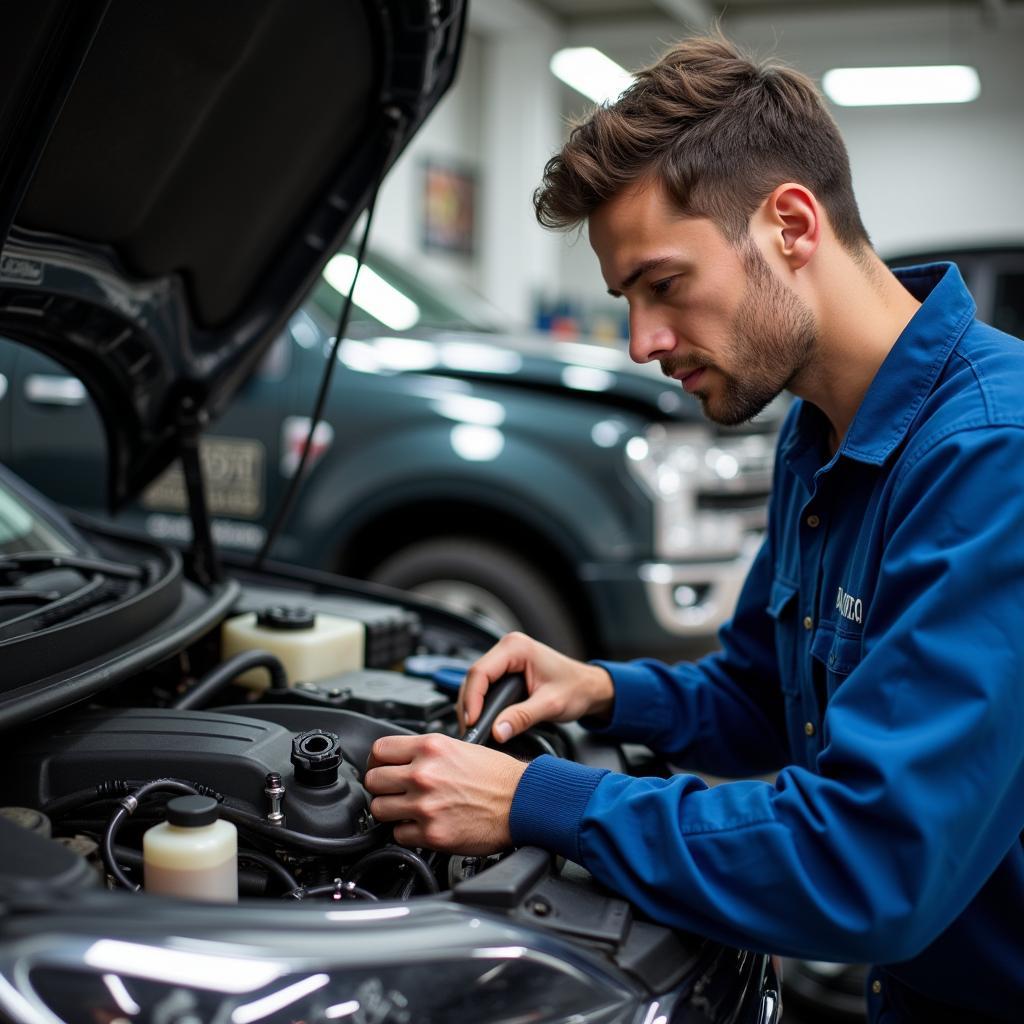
(719, 129)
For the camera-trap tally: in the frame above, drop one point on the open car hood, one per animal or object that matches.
(174, 176)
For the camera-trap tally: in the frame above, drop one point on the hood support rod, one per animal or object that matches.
(203, 561)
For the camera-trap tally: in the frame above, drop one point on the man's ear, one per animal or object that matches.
(793, 217)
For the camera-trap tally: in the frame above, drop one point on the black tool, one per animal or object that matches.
(508, 690)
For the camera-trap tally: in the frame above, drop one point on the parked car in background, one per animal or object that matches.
(550, 486)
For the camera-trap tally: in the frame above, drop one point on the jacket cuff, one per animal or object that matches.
(635, 711)
(549, 802)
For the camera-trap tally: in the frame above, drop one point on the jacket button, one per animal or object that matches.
(809, 728)
(813, 521)
(876, 987)
(808, 622)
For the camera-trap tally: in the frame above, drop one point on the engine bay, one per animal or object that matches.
(138, 700)
(276, 727)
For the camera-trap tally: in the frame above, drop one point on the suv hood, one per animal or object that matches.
(589, 371)
(174, 176)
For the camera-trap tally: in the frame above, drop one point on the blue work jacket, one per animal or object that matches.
(876, 660)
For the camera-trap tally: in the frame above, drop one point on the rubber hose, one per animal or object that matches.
(330, 889)
(319, 844)
(213, 682)
(401, 854)
(123, 812)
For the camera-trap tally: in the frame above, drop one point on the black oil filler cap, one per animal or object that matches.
(192, 811)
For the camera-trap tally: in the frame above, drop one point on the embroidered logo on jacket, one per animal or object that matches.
(850, 607)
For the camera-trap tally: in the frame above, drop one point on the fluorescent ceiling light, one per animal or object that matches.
(878, 87)
(590, 72)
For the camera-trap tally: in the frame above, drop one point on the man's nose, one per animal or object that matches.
(650, 338)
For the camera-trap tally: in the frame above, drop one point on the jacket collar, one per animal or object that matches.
(906, 376)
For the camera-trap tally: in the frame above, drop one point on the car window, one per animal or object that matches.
(1008, 303)
(391, 297)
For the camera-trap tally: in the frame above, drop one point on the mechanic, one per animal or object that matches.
(875, 659)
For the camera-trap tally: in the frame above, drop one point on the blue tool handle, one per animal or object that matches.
(508, 690)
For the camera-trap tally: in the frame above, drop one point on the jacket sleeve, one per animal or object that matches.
(917, 794)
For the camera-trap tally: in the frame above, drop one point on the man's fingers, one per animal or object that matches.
(385, 780)
(410, 835)
(517, 718)
(507, 655)
(392, 808)
(394, 750)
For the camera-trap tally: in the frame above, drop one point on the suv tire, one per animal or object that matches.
(477, 576)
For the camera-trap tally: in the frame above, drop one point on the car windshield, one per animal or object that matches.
(22, 530)
(389, 296)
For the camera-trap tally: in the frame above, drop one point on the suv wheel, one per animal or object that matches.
(476, 576)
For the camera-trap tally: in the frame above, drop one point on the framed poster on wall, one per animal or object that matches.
(449, 197)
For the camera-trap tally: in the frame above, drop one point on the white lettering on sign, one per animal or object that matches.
(850, 607)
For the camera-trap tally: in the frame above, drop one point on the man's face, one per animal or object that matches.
(713, 315)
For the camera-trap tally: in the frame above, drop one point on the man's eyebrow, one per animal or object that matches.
(637, 272)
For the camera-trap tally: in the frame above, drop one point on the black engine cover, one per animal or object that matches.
(230, 752)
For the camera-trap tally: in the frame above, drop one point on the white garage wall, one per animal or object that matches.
(924, 176)
(501, 120)
(927, 175)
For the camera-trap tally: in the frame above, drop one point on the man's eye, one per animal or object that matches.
(663, 286)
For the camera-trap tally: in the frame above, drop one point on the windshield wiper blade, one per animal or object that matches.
(42, 561)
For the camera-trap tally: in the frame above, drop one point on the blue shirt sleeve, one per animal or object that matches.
(917, 793)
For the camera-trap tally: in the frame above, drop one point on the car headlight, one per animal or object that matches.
(675, 466)
(439, 963)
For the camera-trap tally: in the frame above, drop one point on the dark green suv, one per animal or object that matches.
(554, 487)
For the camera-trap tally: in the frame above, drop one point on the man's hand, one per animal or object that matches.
(446, 794)
(560, 688)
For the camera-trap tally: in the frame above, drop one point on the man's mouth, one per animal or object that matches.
(690, 379)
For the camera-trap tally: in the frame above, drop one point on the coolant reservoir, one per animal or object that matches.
(310, 646)
(193, 854)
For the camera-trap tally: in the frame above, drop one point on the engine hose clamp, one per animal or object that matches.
(343, 889)
(129, 803)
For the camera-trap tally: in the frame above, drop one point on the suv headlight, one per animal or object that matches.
(685, 468)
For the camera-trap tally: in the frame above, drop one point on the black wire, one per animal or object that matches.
(336, 888)
(319, 844)
(111, 789)
(215, 681)
(122, 813)
(285, 508)
(72, 801)
(393, 853)
(107, 851)
(275, 867)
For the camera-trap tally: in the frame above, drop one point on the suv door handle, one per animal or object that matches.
(53, 389)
